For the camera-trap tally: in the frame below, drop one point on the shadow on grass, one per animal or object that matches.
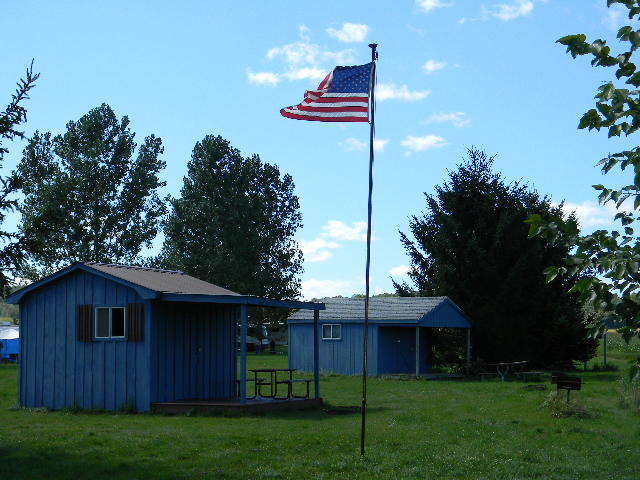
(602, 377)
(326, 412)
(28, 461)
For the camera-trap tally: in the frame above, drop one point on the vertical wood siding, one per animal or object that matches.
(58, 371)
(194, 351)
(338, 356)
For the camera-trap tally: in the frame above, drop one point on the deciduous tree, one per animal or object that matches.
(608, 261)
(88, 194)
(234, 225)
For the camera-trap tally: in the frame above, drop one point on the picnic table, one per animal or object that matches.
(272, 382)
(504, 368)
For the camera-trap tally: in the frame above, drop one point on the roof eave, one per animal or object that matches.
(16, 296)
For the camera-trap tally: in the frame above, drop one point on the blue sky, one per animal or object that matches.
(452, 74)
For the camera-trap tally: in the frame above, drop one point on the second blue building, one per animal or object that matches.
(398, 334)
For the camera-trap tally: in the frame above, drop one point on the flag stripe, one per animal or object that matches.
(332, 108)
(294, 116)
(336, 104)
(297, 111)
(340, 101)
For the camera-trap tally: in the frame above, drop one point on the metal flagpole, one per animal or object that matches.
(365, 337)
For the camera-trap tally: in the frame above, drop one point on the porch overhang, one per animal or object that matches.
(241, 300)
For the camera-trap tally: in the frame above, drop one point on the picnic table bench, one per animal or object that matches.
(272, 382)
(503, 369)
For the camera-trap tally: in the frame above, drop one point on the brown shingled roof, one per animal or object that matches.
(159, 280)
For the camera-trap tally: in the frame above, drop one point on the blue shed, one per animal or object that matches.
(398, 334)
(9, 343)
(104, 336)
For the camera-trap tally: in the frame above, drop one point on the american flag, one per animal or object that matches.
(343, 96)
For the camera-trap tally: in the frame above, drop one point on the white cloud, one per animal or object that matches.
(301, 60)
(429, 5)
(590, 214)
(457, 119)
(317, 250)
(353, 144)
(314, 288)
(305, 54)
(507, 12)
(390, 91)
(263, 78)
(350, 32)
(303, 73)
(615, 17)
(400, 270)
(341, 231)
(420, 144)
(379, 144)
(431, 66)
(504, 11)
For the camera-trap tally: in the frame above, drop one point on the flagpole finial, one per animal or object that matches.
(374, 52)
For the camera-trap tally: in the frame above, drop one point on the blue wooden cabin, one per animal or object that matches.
(103, 336)
(398, 334)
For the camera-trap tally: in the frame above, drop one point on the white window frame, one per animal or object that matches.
(332, 327)
(110, 308)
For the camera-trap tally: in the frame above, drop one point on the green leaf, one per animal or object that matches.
(590, 120)
(572, 39)
(551, 273)
(626, 70)
(624, 32)
(614, 130)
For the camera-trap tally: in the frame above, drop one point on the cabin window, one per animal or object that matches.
(331, 331)
(110, 322)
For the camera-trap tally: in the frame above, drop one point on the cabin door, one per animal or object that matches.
(396, 350)
(197, 379)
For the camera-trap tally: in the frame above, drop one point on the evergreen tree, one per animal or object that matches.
(234, 225)
(13, 247)
(471, 244)
(86, 198)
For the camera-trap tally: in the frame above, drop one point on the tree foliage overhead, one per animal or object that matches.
(12, 246)
(608, 260)
(88, 195)
(471, 245)
(234, 224)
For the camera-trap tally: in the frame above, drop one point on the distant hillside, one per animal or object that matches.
(8, 312)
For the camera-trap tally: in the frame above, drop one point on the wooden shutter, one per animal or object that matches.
(135, 317)
(84, 319)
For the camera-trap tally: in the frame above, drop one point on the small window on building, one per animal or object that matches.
(331, 331)
(110, 322)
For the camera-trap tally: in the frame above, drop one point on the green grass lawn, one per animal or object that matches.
(417, 429)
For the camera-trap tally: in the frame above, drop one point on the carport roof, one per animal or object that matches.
(381, 309)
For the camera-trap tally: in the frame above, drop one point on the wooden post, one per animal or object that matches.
(316, 353)
(468, 348)
(604, 338)
(243, 353)
(417, 352)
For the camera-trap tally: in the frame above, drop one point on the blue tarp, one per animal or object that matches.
(9, 341)
(9, 347)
